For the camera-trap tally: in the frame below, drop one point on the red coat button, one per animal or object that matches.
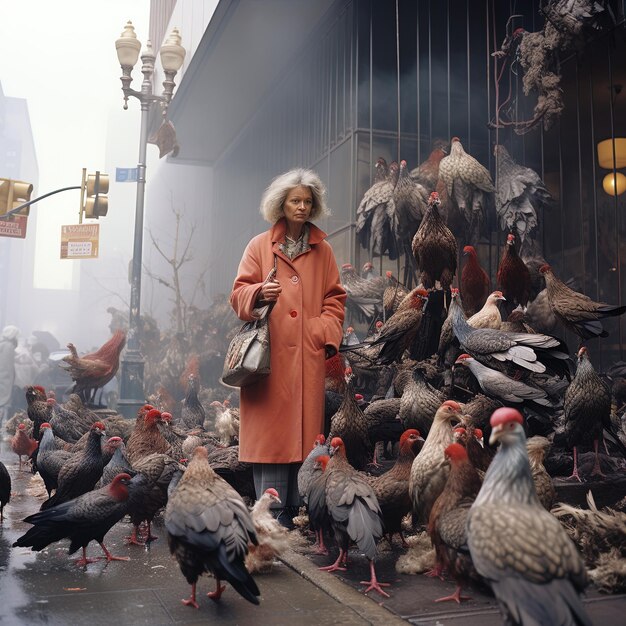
(294, 279)
(294, 313)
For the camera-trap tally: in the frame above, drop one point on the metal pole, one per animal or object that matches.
(132, 395)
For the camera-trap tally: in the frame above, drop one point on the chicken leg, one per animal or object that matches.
(373, 583)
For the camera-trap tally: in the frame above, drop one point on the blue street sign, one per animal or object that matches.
(125, 174)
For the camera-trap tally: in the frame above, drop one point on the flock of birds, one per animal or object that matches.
(468, 392)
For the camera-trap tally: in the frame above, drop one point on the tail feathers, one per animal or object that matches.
(609, 434)
(39, 537)
(364, 527)
(610, 310)
(589, 329)
(237, 575)
(556, 603)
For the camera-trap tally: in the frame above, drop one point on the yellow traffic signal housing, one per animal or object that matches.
(12, 194)
(96, 187)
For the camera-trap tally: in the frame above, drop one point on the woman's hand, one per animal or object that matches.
(270, 291)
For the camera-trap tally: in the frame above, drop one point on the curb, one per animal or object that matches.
(364, 606)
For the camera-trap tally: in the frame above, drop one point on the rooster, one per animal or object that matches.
(469, 186)
(576, 311)
(489, 315)
(434, 247)
(146, 438)
(364, 296)
(523, 552)
(393, 295)
(93, 371)
(513, 276)
(474, 282)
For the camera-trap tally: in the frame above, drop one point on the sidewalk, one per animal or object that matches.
(48, 588)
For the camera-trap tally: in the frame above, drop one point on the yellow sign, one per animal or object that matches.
(80, 241)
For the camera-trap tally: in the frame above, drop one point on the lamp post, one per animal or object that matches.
(172, 56)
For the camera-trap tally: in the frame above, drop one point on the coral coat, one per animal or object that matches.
(281, 415)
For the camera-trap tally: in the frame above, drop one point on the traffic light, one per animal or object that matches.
(93, 191)
(12, 194)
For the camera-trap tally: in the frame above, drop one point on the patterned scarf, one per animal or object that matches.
(292, 249)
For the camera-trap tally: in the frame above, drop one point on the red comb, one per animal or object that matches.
(504, 416)
(456, 452)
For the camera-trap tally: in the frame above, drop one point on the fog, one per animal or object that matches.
(60, 58)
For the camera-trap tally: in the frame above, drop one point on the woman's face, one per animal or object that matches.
(298, 205)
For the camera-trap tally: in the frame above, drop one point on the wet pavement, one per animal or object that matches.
(48, 588)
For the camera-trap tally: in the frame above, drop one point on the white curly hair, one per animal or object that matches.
(274, 196)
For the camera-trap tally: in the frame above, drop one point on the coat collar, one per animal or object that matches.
(278, 231)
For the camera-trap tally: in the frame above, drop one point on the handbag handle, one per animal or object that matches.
(266, 309)
(271, 273)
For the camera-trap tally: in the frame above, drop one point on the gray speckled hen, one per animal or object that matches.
(522, 550)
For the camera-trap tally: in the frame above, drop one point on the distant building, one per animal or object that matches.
(18, 161)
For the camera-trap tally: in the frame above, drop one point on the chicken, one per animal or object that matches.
(520, 194)
(576, 311)
(5, 489)
(192, 412)
(434, 247)
(50, 459)
(93, 371)
(521, 550)
(375, 213)
(227, 424)
(64, 422)
(315, 500)
(118, 464)
(364, 296)
(22, 444)
(85, 416)
(80, 473)
(146, 438)
(354, 512)
(410, 200)
(392, 488)
(398, 332)
(209, 529)
(537, 448)
(513, 276)
(383, 425)
(273, 538)
(151, 493)
(393, 295)
(489, 315)
(305, 473)
(81, 520)
(36, 407)
(474, 282)
(429, 471)
(500, 386)
(419, 403)
(350, 425)
(587, 407)
(448, 519)
(479, 455)
(490, 346)
(469, 186)
(427, 173)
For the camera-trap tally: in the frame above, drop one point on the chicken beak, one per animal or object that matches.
(277, 500)
(495, 435)
(501, 298)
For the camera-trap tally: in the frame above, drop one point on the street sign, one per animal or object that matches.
(125, 174)
(80, 241)
(14, 226)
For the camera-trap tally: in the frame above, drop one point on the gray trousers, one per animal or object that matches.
(282, 476)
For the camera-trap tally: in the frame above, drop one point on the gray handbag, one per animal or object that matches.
(248, 356)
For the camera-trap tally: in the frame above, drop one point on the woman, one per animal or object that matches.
(282, 414)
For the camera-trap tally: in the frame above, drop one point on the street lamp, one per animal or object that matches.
(172, 56)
